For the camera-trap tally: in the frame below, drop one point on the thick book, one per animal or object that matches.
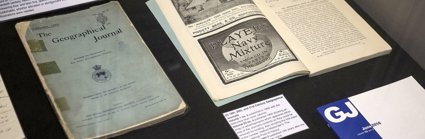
(98, 73)
(238, 47)
(394, 111)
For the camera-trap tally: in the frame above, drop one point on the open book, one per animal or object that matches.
(99, 75)
(238, 47)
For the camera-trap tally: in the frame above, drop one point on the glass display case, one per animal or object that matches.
(204, 119)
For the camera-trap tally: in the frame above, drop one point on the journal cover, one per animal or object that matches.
(394, 111)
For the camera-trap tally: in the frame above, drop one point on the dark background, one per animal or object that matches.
(204, 120)
(403, 20)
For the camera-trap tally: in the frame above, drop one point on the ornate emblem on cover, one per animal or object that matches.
(101, 75)
(101, 18)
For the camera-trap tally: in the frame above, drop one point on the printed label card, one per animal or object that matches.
(271, 118)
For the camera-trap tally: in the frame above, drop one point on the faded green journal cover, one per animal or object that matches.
(98, 73)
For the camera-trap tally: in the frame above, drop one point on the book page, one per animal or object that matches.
(10, 128)
(98, 72)
(230, 45)
(325, 34)
(10, 9)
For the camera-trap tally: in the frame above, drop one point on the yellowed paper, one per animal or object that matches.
(225, 46)
(10, 128)
(325, 34)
